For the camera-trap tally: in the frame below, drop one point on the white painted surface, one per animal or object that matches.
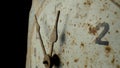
(77, 21)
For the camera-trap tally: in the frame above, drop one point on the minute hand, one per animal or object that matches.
(38, 30)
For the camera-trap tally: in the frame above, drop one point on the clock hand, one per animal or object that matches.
(54, 35)
(47, 59)
(38, 30)
(117, 4)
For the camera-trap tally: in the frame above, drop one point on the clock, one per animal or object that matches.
(74, 34)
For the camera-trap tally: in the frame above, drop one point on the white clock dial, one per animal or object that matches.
(88, 33)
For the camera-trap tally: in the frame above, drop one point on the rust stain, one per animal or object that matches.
(112, 23)
(117, 66)
(85, 66)
(74, 25)
(88, 24)
(108, 16)
(82, 16)
(86, 62)
(91, 60)
(82, 44)
(105, 7)
(100, 18)
(76, 60)
(73, 42)
(102, 9)
(117, 31)
(113, 60)
(88, 2)
(68, 33)
(115, 12)
(63, 64)
(106, 3)
(108, 32)
(92, 30)
(107, 49)
(63, 50)
(67, 62)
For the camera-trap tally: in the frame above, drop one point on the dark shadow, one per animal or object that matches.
(63, 36)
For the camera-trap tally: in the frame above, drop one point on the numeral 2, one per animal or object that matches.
(102, 34)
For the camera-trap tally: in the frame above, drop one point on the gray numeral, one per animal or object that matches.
(102, 34)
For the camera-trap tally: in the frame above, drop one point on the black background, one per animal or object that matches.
(14, 23)
(22, 21)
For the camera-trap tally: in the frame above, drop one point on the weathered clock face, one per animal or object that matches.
(88, 33)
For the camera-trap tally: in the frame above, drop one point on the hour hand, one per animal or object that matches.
(54, 34)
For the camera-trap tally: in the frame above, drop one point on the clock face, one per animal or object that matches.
(88, 33)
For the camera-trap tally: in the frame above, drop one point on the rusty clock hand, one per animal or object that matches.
(54, 35)
(38, 30)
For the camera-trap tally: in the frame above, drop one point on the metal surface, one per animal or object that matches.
(77, 33)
